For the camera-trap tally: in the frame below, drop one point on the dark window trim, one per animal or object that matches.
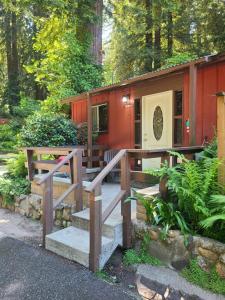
(98, 105)
(178, 117)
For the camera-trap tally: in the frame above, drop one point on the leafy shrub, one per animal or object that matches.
(26, 107)
(82, 134)
(8, 138)
(11, 187)
(163, 213)
(16, 166)
(207, 280)
(53, 104)
(48, 129)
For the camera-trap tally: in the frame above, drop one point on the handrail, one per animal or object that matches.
(57, 167)
(99, 178)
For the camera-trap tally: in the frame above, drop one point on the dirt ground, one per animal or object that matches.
(17, 226)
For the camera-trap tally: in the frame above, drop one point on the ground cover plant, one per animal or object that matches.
(206, 280)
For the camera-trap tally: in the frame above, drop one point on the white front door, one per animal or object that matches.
(157, 124)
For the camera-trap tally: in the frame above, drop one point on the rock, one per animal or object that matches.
(58, 223)
(18, 199)
(67, 213)
(24, 207)
(145, 291)
(222, 258)
(208, 254)
(59, 213)
(69, 223)
(64, 224)
(35, 201)
(154, 235)
(36, 215)
(203, 264)
(220, 268)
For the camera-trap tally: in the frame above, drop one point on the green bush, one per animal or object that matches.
(11, 187)
(53, 104)
(82, 134)
(48, 130)
(8, 138)
(16, 166)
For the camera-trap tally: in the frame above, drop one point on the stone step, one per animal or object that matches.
(112, 228)
(73, 243)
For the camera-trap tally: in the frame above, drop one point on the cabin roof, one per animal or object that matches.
(163, 71)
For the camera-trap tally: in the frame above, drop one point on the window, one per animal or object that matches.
(178, 118)
(100, 118)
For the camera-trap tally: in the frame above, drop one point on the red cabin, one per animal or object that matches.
(162, 109)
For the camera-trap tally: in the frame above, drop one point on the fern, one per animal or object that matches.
(190, 185)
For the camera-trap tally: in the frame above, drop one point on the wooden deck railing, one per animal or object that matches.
(75, 161)
(97, 217)
(35, 159)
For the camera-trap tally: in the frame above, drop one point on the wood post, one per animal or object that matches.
(95, 200)
(30, 164)
(47, 207)
(221, 135)
(192, 102)
(126, 206)
(89, 118)
(77, 178)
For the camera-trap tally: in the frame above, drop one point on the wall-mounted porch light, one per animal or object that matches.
(126, 99)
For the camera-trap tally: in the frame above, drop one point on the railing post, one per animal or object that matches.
(77, 178)
(126, 206)
(47, 207)
(162, 185)
(221, 135)
(95, 199)
(30, 164)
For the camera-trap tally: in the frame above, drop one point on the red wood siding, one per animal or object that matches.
(210, 80)
(121, 125)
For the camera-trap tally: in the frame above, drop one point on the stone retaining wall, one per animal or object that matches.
(173, 252)
(31, 207)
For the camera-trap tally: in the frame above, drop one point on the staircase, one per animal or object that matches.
(73, 242)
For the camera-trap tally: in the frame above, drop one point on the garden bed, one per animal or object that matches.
(177, 250)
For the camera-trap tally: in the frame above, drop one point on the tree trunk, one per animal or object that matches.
(157, 45)
(12, 93)
(96, 33)
(148, 36)
(170, 34)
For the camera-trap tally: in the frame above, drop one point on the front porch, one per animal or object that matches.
(102, 219)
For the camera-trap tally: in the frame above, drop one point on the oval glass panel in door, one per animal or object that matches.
(158, 123)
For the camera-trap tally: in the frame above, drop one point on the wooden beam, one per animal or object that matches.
(221, 136)
(89, 118)
(95, 201)
(47, 207)
(192, 102)
(126, 206)
(30, 165)
(77, 179)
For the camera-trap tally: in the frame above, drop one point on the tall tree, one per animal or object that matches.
(10, 33)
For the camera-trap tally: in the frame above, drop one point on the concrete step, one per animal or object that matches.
(112, 228)
(73, 243)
